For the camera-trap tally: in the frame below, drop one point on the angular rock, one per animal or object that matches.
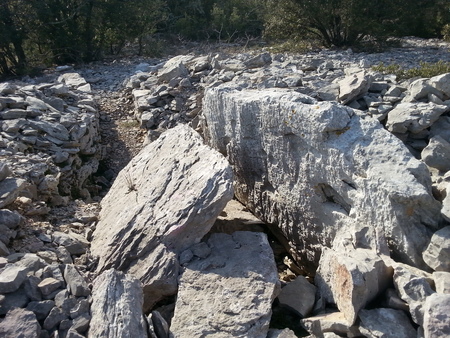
(20, 323)
(117, 298)
(286, 333)
(259, 61)
(173, 68)
(170, 195)
(74, 80)
(437, 154)
(16, 299)
(353, 86)
(81, 323)
(413, 289)
(4, 171)
(160, 326)
(55, 130)
(385, 323)
(10, 189)
(436, 321)
(413, 117)
(328, 322)
(442, 128)
(318, 169)
(351, 279)
(10, 218)
(229, 293)
(442, 281)
(74, 243)
(420, 89)
(76, 283)
(442, 83)
(55, 317)
(299, 296)
(49, 285)
(12, 277)
(437, 254)
(41, 309)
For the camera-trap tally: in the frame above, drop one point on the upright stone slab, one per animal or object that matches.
(318, 168)
(230, 292)
(117, 306)
(166, 199)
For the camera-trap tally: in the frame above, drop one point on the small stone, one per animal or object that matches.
(81, 323)
(31, 288)
(10, 218)
(437, 254)
(12, 277)
(437, 154)
(76, 283)
(201, 250)
(64, 255)
(442, 281)
(4, 171)
(41, 309)
(49, 285)
(81, 307)
(74, 243)
(299, 296)
(55, 316)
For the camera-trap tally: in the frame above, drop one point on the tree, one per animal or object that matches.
(12, 55)
(346, 22)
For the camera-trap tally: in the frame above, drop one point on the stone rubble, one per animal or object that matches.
(386, 206)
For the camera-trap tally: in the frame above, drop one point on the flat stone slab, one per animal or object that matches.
(230, 292)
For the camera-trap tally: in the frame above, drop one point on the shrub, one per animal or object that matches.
(446, 32)
(424, 70)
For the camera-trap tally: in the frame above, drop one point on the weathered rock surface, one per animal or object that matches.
(385, 323)
(437, 254)
(117, 306)
(170, 195)
(351, 279)
(230, 292)
(436, 321)
(20, 323)
(317, 168)
(413, 289)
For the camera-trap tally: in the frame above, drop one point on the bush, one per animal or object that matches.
(425, 70)
(446, 32)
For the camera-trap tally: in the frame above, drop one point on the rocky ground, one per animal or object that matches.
(67, 135)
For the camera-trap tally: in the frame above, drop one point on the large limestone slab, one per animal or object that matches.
(117, 306)
(318, 168)
(230, 292)
(165, 200)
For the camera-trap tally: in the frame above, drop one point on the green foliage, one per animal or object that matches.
(446, 32)
(343, 23)
(425, 70)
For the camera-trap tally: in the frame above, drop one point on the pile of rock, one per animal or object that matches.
(48, 151)
(313, 145)
(49, 138)
(329, 176)
(46, 293)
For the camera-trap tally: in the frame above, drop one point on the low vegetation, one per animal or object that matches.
(424, 70)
